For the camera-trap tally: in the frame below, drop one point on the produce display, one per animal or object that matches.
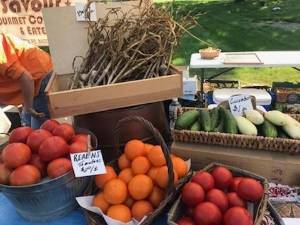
(219, 198)
(32, 155)
(256, 123)
(137, 187)
(136, 45)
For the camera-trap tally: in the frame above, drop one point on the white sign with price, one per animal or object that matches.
(88, 163)
(239, 104)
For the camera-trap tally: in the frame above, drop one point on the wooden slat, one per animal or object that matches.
(94, 99)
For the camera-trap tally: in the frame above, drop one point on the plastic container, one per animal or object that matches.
(262, 96)
(173, 112)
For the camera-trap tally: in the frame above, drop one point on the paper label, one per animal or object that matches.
(240, 103)
(80, 12)
(88, 163)
(189, 86)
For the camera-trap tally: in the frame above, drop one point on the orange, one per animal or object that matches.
(126, 175)
(102, 179)
(129, 202)
(156, 196)
(140, 187)
(180, 166)
(100, 202)
(115, 191)
(148, 147)
(134, 148)
(119, 212)
(140, 165)
(141, 209)
(123, 162)
(162, 177)
(156, 156)
(152, 172)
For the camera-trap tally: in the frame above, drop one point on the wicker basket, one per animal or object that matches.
(179, 207)
(209, 53)
(237, 140)
(172, 191)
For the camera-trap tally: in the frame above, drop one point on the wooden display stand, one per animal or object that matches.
(67, 39)
(276, 167)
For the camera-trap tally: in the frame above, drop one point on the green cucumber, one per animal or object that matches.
(267, 129)
(281, 133)
(220, 127)
(195, 126)
(214, 115)
(205, 120)
(187, 119)
(230, 124)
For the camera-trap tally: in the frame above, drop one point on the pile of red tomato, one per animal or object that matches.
(219, 198)
(34, 154)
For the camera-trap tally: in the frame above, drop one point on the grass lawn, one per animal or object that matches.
(244, 26)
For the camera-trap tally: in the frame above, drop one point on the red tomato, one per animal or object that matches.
(78, 147)
(38, 163)
(250, 190)
(204, 179)
(25, 175)
(53, 148)
(207, 213)
(50, 125)
(80, 138)
(237, 216)
(4, 174)
(64, 130)
(59, 167)
(235, 200)
(234, 184)
(223, 177)
(219, 198)
(15, 155)
(192, 194)
(36, 138)
(185, 221)
(20, 134)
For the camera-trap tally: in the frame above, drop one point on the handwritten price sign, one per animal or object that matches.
(81, 14)
(239, 104)
(88, 163)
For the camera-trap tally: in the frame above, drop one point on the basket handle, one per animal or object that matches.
(158, 140)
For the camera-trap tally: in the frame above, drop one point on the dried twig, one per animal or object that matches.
(132, 45)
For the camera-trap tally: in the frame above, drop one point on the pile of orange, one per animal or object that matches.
(140, 186)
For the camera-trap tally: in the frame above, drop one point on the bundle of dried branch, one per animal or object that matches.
(131, 45)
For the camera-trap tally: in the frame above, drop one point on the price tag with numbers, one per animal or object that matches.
(239, 104)
(88, 163)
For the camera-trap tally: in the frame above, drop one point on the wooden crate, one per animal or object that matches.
(63, 102)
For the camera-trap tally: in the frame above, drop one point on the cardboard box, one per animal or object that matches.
(67, 39)
(276, 167)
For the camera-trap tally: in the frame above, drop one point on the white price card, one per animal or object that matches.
(88, 163)
(239, 104)
(80, 12)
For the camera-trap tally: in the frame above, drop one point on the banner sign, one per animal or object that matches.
(24, 18)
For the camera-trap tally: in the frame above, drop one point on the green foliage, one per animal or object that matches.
(243, 26)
